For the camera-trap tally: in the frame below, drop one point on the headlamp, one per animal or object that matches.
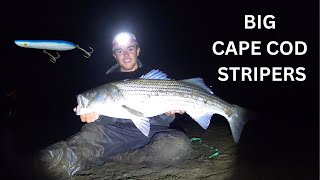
(123, 39)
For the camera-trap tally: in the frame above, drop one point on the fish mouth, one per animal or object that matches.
(83, 105)
(81, 101)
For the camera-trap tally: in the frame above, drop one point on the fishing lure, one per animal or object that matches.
(55, 45)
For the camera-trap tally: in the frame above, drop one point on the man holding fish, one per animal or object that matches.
(108, 138)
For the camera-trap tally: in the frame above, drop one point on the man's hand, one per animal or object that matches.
(171, 113)
(89, 117)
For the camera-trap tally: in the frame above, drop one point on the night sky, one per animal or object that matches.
(176, 38)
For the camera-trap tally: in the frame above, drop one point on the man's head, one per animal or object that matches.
(126, 51)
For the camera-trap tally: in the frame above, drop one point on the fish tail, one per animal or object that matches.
(237, 122)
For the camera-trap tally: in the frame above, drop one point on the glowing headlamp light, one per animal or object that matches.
(123, 39)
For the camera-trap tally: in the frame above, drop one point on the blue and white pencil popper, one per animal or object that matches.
(54, 45)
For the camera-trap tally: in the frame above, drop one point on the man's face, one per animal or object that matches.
(127, 56)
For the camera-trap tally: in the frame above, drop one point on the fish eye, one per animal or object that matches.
(25, 44)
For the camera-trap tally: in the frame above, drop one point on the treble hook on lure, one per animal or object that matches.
(87, 53)
(53, 59)
(55, 45)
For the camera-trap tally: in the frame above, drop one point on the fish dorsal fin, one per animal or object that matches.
(198, 81)
(155, 74)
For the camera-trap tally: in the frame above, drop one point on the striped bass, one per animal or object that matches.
(155, 94)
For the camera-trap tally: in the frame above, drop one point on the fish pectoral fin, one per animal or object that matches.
(202, 119)
(133, 111)
(142, 124)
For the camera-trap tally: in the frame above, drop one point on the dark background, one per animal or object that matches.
(176, 38)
